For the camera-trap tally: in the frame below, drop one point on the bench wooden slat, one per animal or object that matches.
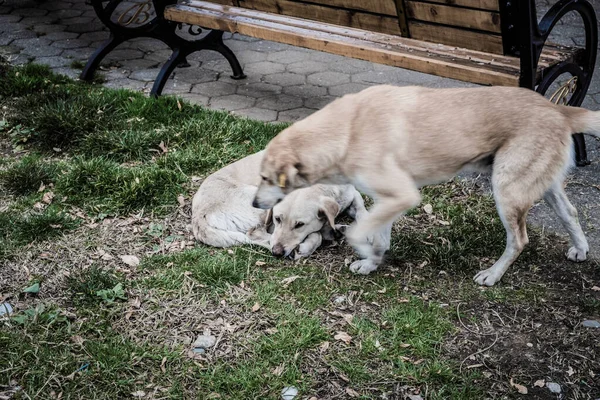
(447, 61)
(355, 19)
(228, 20)
(383, 7)
(491, 5)
(451, 36)
(454, 16)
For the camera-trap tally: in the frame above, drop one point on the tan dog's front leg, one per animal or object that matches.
(308, 246)
(376, 225)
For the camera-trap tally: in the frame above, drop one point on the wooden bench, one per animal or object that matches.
(489, 42)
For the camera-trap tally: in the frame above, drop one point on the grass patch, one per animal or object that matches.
(27, 175)
(95, 285)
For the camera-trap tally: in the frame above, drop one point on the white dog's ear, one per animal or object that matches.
(329, 209)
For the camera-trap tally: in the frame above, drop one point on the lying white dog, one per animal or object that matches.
(223, 216)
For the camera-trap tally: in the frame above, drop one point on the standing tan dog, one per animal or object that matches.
(389, 141)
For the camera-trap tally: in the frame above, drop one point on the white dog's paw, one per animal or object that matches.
(577, 255)
(487, 277)
(363, 267)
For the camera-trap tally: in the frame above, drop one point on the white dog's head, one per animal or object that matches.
(301, 213)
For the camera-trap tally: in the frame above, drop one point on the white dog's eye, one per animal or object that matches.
(278, 220)
(298, 225)
(264, 178)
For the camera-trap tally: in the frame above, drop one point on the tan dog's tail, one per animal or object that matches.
(583, 121)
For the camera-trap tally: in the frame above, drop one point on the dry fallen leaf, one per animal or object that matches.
(428, 208)
(271, 331)
(38, 206)
(540, 383)
(259, 263)
(139, 393)
(352, 392)
(162, 365)
(179, 104)
(343, 336)
(77, 339)
(47, 198)
(287, 281)
(255, 307)
(323, 347)
(132, 261)
(520, 388)
(570, 371)
(277, 371)
(181, 200)
(596, 288)
(42, 187)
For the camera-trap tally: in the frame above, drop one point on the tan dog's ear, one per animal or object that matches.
(329, 209)
(291, 176)
(269, 221)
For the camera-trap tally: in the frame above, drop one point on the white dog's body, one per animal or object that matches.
(389, 141)
(223, 216)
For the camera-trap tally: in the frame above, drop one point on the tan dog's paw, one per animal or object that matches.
(363, 267)
(577, 255)
(487, 277)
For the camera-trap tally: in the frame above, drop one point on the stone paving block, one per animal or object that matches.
(39, 48)
(261, 45)
(56, 61)
(220, 65)
(258, 89)
(263, 68)
(350, 66)
(159, 55)
(327, 58)
(138, 64)
(347, 88)
(448, 83)
(328, 78)
(206, 55)
(124, 54)
(288, 56)
(8, 18)
(195, 98)
(250, 56)
(144, 75)
(125, 83)
(5, 41)
(305, 91)
(56, 5)
(18, 58)
(95, 25)
(261, 114)
(318, 102)
(61, 36)
(65, 13)
(114, 74)
(29, 12)
(195, 75)
(306, 67)
(19, 35)
(231, 102)
(93, 36)
(30, 22)
(175, 86)
(70, 43)
(12, 27)
(77, 20)
(83, 53)
(48, 28)
(214, 89)
(294, 115)
(285, 79)
(279, 103)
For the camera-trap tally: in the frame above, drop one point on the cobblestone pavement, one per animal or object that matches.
(284, 83)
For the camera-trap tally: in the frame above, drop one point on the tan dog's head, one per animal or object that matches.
(281, 174)
(303, 212)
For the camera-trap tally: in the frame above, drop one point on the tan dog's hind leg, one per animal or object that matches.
(558, 201)
(395, 194)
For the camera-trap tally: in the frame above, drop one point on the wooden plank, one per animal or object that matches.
(454, 16)
(354, 19)
(383, 7)
(551, 54)
(491, 5)
(435, 64)
(486, 42)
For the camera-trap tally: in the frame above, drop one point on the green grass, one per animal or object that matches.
(116, 153)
